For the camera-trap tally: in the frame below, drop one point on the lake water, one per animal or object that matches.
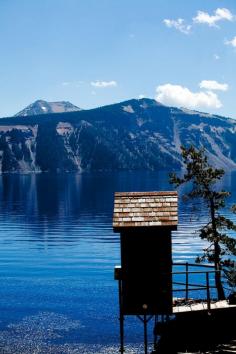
(57, 256)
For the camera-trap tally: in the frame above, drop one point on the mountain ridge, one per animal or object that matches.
(130, 135)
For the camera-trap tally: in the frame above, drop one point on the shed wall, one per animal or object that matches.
(146, 270)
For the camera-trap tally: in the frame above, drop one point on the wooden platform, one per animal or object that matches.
(202, 306)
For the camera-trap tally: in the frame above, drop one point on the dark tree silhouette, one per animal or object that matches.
(203, 178)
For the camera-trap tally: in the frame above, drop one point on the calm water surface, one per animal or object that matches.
(57, 255)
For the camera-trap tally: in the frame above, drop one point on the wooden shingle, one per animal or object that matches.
(144, 209)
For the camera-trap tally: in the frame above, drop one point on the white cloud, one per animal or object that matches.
(103, 84)
(65, 83)
(232, 42)
(213, 85)
(178, 95)
(178, 24)
(216, 57)
(220, 14)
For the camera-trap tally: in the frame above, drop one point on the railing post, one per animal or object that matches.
(186, 292)
(208, 292)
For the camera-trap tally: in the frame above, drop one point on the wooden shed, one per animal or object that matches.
(145, 221)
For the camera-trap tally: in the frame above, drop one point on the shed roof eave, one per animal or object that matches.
(118, 229)
(152, 193)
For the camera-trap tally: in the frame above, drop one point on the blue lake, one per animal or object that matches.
(57, 258)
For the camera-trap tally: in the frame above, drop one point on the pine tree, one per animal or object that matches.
(203, 178)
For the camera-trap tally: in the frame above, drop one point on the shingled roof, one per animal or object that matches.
(140, 209)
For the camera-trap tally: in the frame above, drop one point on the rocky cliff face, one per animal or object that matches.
(137, 134)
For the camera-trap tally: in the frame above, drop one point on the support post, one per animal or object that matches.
(145, 334)
(121, 319)
(155, 331)
(145, 321)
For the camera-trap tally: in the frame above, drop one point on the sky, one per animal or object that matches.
(98, 52)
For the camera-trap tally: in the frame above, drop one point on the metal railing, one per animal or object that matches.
(190, 286)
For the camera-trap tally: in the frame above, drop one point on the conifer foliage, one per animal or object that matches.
(203, 177)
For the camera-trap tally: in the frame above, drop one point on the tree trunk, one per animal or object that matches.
(218, 282)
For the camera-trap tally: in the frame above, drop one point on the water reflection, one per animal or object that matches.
(68, 207)
(47, 204)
